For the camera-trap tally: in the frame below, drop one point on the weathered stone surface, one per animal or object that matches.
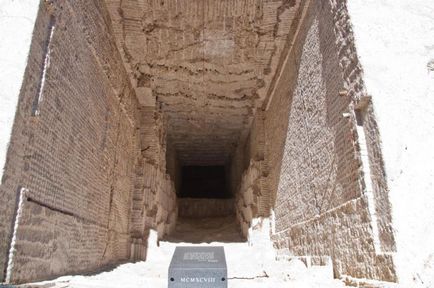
(208, 64)
(200, 208)
(76, 156)
(117, 98)
(322, 202)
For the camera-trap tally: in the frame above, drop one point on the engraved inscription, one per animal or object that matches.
(200, 256)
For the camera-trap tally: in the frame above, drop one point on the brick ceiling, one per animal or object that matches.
(207, 63)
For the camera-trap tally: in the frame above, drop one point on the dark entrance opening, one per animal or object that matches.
(204, 182)
(206, 208)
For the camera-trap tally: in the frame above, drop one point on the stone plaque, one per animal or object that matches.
(198, 267)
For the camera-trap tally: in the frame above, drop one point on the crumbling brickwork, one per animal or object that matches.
(154, 205)
(75, 157)
(345, 234)
(319, 168)
(249, 176)
(200, 208)
(248, 196)
(117, 99)
(321, 202)
(207, 63)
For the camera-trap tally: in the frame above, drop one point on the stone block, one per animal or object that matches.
(198, 267)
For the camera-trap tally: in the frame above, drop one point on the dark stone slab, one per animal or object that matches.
(198, 267)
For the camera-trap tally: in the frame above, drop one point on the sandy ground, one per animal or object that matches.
(248, 266)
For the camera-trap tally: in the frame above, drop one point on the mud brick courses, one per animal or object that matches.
(77, 157)
(321, 207)
(273, 90)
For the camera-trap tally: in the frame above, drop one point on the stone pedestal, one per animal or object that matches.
(198, 267)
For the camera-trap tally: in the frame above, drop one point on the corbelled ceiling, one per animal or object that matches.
(206, 63)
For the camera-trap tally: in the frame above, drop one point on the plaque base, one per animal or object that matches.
(198, 267)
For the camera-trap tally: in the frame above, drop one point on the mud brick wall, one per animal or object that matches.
(198, 208)
(321, 204)
(319, 153)
(74, 149)
(246, 201)
(155, 206)
(249, 169)
(344, 234)
(86, 167)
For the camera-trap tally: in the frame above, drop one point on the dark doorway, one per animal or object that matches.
(204, 182)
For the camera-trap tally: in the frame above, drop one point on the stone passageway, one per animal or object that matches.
(143, 124)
